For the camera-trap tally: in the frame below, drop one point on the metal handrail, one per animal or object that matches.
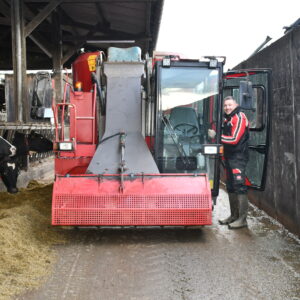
(62, 137)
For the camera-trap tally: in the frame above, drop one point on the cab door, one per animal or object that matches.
(252, 90)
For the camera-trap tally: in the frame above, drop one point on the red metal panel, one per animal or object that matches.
(166, 199)
(82, 68)
(85, 116)
(75, 162)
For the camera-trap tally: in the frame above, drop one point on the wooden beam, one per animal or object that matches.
(28, 14)
(70, 26)
(70, 52)
(68, 21)
(37, 38)
(4, 8)
(20, 105)
(97, 28)
(57, 55)
(41, 16)
(148, 24)
(92, 1)
(5, 21)
(94, 30)
(119, 36)
(42, 43)
(78, 45)
(101, 14)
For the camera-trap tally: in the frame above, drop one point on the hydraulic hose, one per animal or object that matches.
(99, 91)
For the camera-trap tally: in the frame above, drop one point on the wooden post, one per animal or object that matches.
(19, 62)
(57, 56)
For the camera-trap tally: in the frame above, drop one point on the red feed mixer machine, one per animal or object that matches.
(105, 172)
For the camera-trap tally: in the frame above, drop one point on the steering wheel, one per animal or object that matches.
(193, 128)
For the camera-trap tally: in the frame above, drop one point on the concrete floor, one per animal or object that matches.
(259, 262)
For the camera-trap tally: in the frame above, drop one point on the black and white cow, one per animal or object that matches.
(38, 143)
(8, 167)
(12, 161)
(31, 142)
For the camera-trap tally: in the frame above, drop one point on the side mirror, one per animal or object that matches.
(246, 95)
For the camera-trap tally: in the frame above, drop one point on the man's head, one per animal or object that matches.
(229, 105)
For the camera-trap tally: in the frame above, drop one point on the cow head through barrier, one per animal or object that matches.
(8, 168)
(39, 143)
(9, 173)
(31, 142)
(12, 157)
(6, 149)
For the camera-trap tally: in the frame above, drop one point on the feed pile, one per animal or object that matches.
(26, 239)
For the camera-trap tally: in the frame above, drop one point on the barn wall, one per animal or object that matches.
(281, 197)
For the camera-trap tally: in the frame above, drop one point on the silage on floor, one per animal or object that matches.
(26, 237)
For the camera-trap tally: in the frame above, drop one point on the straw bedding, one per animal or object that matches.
(26, 237)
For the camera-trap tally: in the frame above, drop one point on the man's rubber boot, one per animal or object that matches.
(234, 211)
(243, 210)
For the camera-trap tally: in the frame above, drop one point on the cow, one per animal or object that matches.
(8, 169)
(38, 143)
(16, 159)
(31, 142)
(9, 172)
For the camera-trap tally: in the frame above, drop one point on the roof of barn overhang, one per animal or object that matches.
(119, 23)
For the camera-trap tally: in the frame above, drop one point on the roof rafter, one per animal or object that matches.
(92, 1)
(101, 14)
(41, 16)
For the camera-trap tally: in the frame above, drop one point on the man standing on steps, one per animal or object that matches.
(235, 140)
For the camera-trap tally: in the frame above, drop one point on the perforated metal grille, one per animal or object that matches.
(119, 209)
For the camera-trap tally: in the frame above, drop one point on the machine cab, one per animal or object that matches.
(188, 103)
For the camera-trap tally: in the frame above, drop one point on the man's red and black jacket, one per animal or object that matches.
(235, 135)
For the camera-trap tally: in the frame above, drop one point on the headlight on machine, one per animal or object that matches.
(212, 149)
(65, 146)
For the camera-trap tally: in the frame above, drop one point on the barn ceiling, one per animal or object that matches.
(89, 24)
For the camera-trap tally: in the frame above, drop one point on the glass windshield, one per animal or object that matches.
(188, 107)
(187, 86)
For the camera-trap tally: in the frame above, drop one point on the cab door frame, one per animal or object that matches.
(262, 148)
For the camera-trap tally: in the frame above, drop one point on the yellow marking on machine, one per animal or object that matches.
(92, 62)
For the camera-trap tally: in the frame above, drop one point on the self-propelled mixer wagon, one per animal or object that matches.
(131, 141)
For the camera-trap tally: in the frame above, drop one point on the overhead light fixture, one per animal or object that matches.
(213, 63)
(166, 62)
(110, 41)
